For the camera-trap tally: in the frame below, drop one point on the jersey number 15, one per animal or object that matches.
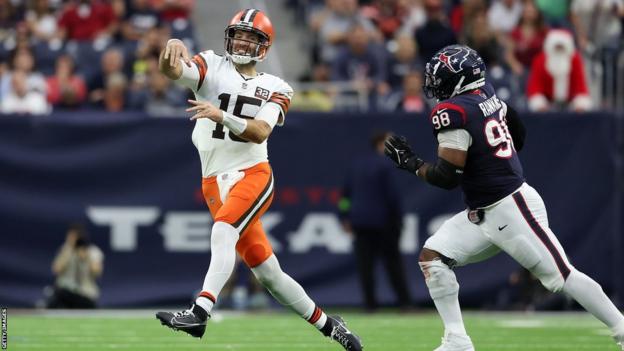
(219, 132)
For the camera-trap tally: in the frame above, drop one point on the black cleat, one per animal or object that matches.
(344, 336)
(185, 321)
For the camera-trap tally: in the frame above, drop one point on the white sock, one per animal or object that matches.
(589, 294)
(444, 290)
(288, 292)
(223, 248)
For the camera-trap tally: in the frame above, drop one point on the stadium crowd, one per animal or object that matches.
(534, 49)
(89, 54)
(102, 54)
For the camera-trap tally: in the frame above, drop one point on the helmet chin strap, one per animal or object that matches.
(474, 85)
(457, 88)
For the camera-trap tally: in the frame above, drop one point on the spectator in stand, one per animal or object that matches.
(112, 62)
(139, 19)
(526, 40)
(463, 14)
(171, 10)
(482, 39)
(598, 27)
(403, 60)
(88, 20)
(415, 17)
(23, 61)
(20, 100)
(65, 88)
(316, 98)
(410, 97)
(557, 77)
(115, 94)
(363, 64)
(41, 21)
(148, 48)
(160, 98)
(504, 15)
(555, 12)
(10, 15)
(597, 23)
(436, 33)
(387, 15)
(335, 25)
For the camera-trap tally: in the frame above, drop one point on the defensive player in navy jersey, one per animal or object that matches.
(478, 137)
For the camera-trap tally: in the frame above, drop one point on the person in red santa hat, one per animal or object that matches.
(557, 78)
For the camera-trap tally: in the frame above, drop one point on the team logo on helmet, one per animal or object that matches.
(453, 58)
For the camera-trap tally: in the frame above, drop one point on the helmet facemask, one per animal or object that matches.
(435, 87)
(257, 54)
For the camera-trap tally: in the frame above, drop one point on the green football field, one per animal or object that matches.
(139, 330)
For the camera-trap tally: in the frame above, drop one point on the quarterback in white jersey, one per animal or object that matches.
(265, 97)
(236, 109)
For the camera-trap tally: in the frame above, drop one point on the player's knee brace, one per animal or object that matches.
(268, 272)
(440, 279)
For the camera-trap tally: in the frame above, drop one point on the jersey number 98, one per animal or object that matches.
(498, 136)
(441, 120)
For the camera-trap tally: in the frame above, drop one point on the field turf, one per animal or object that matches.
(139, 330)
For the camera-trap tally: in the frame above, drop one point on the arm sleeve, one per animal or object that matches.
(281, 97)
(194, 74)
(269, 113)
(458, 139)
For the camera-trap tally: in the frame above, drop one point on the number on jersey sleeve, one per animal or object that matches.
(447, 116)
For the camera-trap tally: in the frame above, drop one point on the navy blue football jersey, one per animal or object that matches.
(492, 169)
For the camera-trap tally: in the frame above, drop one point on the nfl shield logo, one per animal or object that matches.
(244, 85)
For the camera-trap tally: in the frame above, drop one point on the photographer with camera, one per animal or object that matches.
(76, 267)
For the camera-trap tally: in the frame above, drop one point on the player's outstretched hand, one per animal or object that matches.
(174, 51)
(204, 109)
(398, 149)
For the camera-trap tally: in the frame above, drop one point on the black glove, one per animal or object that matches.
(399, 151)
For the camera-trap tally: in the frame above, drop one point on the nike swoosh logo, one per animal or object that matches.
(503, 227)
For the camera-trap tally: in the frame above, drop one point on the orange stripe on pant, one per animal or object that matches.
(246, 202)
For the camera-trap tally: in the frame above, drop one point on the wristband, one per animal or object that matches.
(236, 124)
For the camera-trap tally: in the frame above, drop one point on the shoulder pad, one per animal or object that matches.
(447, 115)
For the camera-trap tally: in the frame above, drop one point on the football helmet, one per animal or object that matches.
(254, 21)
(453, 70)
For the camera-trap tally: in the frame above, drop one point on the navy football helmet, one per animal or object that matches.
(453, 70)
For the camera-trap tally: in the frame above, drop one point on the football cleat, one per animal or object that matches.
(185, 321)
(455, 342)
(344, 336)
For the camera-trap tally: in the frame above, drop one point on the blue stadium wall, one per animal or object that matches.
(135, 182)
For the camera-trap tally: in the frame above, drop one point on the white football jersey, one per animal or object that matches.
(214, 78)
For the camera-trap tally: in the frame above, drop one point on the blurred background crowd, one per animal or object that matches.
(542, 55)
